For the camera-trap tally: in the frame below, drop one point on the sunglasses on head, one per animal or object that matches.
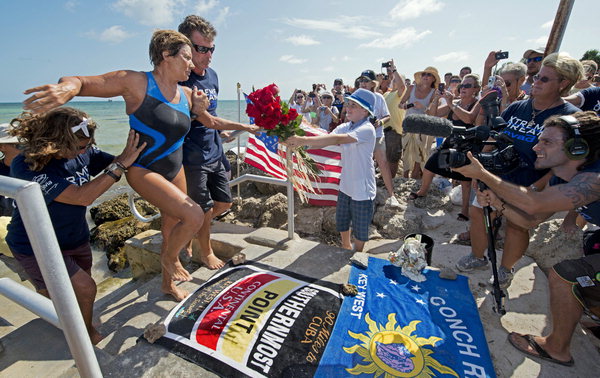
(204, 49)
(536, 59)
(543, 79)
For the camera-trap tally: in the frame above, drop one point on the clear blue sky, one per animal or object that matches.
(291, 43)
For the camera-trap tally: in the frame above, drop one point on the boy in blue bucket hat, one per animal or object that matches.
(356, 197)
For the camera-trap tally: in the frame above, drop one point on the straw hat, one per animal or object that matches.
(431, 70)
(5, 137)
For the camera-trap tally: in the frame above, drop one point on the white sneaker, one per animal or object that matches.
(392, 202)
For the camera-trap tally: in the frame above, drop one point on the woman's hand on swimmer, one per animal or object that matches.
(50, 96)
(132, 149)
(199, 101)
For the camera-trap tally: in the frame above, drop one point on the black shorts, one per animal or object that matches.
(393, 145)
(207, 183)
(584, 274)
(75, 259)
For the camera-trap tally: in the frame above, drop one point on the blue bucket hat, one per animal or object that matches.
(364, 98)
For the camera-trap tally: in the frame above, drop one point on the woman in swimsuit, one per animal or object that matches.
(159, 110)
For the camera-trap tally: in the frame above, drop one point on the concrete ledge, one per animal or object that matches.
(270, 237)
(143, 253)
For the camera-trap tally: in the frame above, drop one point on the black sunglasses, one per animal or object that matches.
(455, 81)
(204, 49)
(543, 79)
(466, 86)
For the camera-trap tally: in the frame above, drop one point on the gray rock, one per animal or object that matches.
(309, 220)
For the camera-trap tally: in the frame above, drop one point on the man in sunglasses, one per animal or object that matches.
(533, 59)
(207, 182)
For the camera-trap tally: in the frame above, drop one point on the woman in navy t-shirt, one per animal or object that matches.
(58, 154)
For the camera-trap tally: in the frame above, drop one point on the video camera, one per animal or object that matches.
(453, 151)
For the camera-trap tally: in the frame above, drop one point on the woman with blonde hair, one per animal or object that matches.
(58, 154)
(415, 147)
(160, 110)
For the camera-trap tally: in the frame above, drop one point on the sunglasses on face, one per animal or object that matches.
(204, 49)
(299, 97)
(466, 86)
(425, 74)
(543, 79)
(364, 80)
(327, 98)
(85, 147)
(455, 81)
(536, 59)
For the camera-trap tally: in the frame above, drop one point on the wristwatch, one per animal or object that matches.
(112, 167)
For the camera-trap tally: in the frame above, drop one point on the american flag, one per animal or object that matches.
(265, 153)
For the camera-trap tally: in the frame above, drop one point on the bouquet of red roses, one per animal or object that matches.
(278, 119)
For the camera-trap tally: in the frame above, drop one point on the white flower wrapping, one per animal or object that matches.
(411, 258)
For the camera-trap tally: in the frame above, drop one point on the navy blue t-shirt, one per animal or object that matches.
(591, 98)
(517, 116)
(68, 220)
(590, 212)
(203, 145)
(5, 202)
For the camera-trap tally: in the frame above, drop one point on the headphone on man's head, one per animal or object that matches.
(576, 147)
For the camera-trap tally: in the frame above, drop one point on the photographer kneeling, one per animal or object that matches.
(570, 147)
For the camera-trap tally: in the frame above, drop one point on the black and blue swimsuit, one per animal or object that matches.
(163, 126)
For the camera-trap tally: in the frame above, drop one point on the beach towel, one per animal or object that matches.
(401, 328)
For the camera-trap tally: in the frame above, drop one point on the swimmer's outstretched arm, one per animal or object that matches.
(129, 84)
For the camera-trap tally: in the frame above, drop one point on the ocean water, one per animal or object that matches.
(114, 123)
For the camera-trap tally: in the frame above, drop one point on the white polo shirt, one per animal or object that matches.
(357, 179)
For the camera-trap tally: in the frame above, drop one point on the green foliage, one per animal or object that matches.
(592, 55)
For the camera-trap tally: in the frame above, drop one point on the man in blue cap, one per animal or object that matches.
(356, 197)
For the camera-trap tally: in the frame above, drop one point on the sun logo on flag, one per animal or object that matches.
(394, 351)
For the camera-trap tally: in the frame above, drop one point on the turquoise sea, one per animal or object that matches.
(114, 123)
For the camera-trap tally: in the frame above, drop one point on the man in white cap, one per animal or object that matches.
(356, 197)
(8, 148)
(533, 59)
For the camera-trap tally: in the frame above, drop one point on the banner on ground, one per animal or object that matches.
(250, 320)
(397, 327)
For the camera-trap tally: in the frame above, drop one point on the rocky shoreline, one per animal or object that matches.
(265, 205)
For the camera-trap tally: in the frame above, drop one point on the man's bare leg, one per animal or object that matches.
(516, 241)
(207, 255)
(566, 312)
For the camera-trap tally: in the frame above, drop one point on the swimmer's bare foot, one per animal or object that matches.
(95, 336)
(174, 270)
(171, 289)
(212, 261)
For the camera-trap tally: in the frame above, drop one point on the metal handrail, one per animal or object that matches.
(36, 219)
